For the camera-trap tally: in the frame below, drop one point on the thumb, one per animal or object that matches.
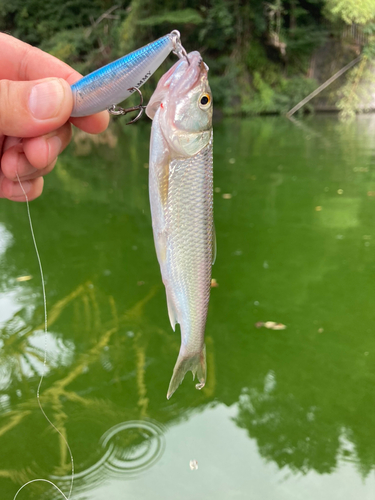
(31, 109)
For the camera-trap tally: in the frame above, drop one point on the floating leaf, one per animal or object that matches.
(24, 278)
(271, 325)
(193, 465)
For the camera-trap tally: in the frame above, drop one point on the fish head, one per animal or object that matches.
(184, 100)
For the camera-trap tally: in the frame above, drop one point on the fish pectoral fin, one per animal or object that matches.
(214, 245)
(172, 311)
(195, 363)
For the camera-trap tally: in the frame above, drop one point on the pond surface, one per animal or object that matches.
(285, 414)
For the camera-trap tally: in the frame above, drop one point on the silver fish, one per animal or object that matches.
(181, 197)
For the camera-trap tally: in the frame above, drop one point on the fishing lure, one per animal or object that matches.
(115, 82)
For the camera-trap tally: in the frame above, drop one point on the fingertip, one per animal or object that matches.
(36, 189)
(37, 151)
(11, 160)
(42, 151)
(34, 108)
(14, 192)
(94, 124)
(51, 99)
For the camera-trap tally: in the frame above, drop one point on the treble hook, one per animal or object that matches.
(118, 111)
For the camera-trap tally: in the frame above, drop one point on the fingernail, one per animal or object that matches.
(54, 148)
(46, 99)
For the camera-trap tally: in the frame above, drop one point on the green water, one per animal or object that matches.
(285, 414)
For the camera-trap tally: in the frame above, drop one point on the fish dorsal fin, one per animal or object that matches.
(214, 245)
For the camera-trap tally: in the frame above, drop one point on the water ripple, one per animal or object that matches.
(134, 446)
(128, 449)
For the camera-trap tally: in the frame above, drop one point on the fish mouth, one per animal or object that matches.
(196, 58)
(193, 73)
(203, 65)
(186, 75)
(180, 79)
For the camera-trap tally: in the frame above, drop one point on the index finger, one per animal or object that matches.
(20, 61)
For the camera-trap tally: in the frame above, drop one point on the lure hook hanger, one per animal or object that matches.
(178, 48)
(119, 111)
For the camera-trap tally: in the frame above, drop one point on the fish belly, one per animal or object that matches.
(189, 223)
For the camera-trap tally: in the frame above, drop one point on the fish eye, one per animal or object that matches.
(204, 101)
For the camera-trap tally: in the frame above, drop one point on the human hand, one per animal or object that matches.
(35, 124)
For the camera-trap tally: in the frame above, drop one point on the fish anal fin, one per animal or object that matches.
(172, 311)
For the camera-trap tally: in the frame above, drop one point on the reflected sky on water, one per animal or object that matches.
(285, 413)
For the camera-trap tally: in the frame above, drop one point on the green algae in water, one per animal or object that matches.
(285, 413)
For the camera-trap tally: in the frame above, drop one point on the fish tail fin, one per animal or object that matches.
(196, 364)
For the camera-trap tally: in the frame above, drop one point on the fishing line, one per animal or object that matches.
(44, 361)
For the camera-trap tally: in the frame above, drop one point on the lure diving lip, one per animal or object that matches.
(116, 81)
